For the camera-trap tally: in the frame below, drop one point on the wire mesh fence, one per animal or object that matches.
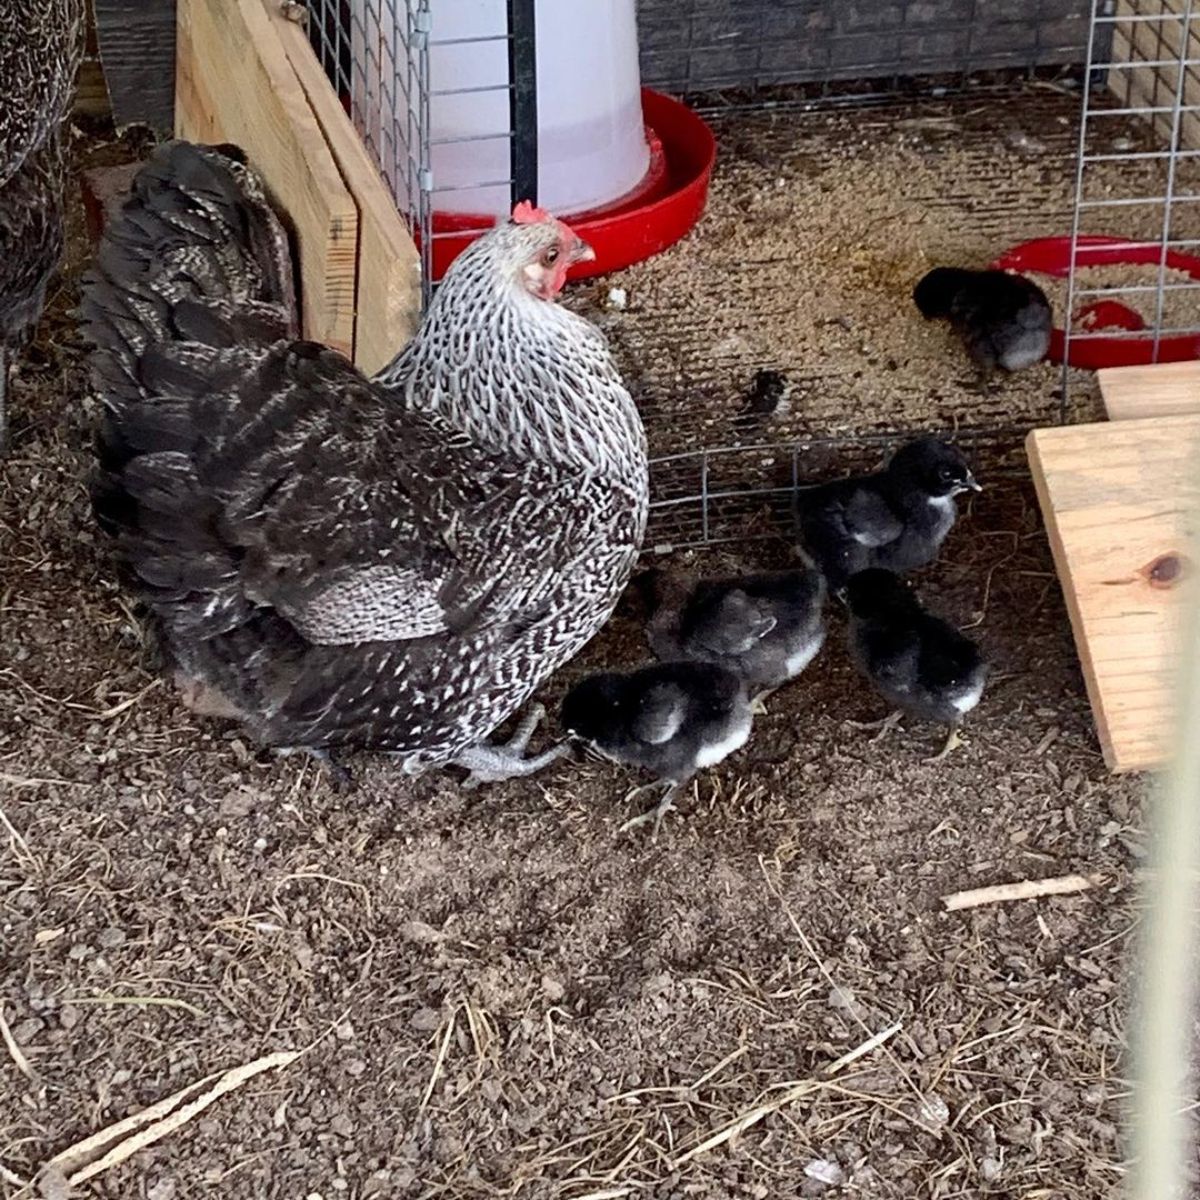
(1139, 292)
(413, 77)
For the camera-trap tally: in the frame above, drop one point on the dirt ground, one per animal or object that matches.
(495, 993)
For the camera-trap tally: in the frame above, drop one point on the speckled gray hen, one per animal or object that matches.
(41, 42)
(392, 563)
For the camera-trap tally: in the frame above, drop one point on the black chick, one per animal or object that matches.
(896, 518)
(1003, 320)
(765, 628)
(672, 719)
(919, 663)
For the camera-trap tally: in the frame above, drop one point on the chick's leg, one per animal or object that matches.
(758, 703)
(656, 814)
(493, 764)
(953, 741)
(884, 726)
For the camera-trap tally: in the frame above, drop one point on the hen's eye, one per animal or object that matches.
(551, 256)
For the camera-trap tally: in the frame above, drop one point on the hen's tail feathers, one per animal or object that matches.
(192, 283)
(196, 255)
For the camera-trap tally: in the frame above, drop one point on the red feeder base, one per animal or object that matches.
(657, 213)
(1052, 256)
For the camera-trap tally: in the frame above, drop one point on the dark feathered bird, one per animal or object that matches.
(392, 563)
(919, 663)
(672, 719)
(1003, 320)
(41, 43)
(895, 518)
(765, 628)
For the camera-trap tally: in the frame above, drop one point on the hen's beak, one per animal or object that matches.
(582, 252)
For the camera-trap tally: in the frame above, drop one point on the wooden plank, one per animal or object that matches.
(1161, 390)
(234, 84)
(388, 294)
(137, 48)
(1119, 502)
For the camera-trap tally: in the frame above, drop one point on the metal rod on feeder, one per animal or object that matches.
(522, 99)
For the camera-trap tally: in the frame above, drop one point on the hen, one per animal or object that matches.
(392, 563)
(41, 43)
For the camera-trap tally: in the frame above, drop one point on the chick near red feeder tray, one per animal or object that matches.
(1090, 349)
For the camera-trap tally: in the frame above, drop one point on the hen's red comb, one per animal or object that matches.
(525, 213)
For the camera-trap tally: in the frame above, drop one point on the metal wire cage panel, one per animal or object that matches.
(708, 45)
(1143, 128)
(376, 55)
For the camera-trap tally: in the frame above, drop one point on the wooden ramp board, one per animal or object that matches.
(388, 292)
(1161, 390)
(1118, 500)
(234, 83)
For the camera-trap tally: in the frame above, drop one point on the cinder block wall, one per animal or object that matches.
(704, 45)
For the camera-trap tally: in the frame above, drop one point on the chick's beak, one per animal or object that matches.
(973, 484)
(582, 252)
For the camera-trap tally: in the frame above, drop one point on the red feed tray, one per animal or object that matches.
(656, 214)
(1052, 256)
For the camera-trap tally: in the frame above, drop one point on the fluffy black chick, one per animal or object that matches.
(919, 663)
(672, 719)
(1003, 320)
(765, 628)
(896, 518)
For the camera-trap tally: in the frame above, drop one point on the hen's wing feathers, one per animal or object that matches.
(353, 518)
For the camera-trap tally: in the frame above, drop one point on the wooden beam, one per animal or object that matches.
(1161, 390)
(1117, 499)
(234, 83)
(388, 294)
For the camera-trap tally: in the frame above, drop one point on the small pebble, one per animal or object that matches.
(618, 298)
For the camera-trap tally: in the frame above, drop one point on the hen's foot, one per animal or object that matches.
(656, 814)
(953, 741)
(884, 726)
(493, 764)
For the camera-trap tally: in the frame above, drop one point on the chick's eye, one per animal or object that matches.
(551, 256)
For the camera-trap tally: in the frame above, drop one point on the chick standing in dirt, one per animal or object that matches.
(919, 663)
(1003, 320)
(41, 43)
(391, 563)
(765, 628)
(672, 719)
(896, 518)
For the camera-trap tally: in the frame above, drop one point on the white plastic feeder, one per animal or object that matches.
(591, 140)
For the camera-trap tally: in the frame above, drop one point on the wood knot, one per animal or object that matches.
(1165, 571)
